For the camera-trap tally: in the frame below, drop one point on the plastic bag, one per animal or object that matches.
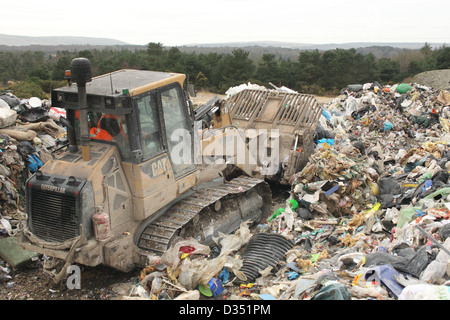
(326, 114)
(388, 185)
(444, 232)
(201, 271)
(186, 274)
(6, 226)
(11, 100)
(403, 88)
(172, 256)
(406, 260)
(34, 163)
(385, 275)
(355, 87)
(37, 114)
(425, 292)
(334, 291)
(352, 105)
(387, 126)
(436, 270)
(56, 113)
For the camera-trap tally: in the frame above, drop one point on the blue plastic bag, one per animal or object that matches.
(326, 114)
(329, 141)
(34, 163)
(38, 162)
(388, 126)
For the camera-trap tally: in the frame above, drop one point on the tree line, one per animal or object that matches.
(316, 72)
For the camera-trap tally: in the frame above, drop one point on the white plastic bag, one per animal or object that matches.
(436, 270)
(186, 274)
(425, 292)
(56, 113)
(6, 226)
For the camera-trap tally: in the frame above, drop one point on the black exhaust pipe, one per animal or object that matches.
(80, 69)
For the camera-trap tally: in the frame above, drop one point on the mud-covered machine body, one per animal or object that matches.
(290, 118)
(114, 197)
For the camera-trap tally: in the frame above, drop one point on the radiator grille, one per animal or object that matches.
(54, 215)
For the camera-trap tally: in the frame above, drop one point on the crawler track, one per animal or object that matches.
(224, 206)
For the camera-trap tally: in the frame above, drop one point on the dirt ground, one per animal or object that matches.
(30, 282)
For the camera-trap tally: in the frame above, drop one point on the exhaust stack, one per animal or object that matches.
(80, 69)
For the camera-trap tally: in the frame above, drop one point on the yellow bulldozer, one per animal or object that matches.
(142, 169)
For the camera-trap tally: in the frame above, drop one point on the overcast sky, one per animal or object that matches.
(179, 22)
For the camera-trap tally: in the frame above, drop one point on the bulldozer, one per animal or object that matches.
(127, 185)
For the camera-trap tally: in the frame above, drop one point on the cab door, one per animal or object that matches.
(178, 130)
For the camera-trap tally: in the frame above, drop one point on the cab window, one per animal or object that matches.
(178, 133)
(149, 123)
(108, 127)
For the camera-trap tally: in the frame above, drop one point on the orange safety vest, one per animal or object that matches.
(102, 134)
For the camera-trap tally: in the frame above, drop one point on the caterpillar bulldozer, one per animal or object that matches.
(133, 177)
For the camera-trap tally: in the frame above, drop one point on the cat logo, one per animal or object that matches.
(159, 167)
(48, 187)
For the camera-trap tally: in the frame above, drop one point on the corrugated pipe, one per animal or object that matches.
(264, 250)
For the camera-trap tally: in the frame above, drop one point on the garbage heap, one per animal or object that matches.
(29, 131)
(367, 218)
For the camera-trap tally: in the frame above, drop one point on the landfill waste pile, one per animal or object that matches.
(29, 130)
(366, 219)
(438, 79)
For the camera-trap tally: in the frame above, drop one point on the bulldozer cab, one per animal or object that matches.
(143, 113)
(146, 116)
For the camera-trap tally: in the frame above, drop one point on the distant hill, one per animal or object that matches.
(283, 50)
(12, 40)
(290, 50)
(291, 45)
(310, 46)
(292, 54)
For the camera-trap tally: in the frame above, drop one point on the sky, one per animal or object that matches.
(182, 22)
